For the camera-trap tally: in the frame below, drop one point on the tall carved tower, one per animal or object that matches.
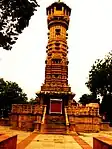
(55, 90)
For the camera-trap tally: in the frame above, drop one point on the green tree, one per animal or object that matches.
(32, 101)
(100, 76)
(14, 17)
(88, 98)
(100, 82)
(10, 93)
(106, 107)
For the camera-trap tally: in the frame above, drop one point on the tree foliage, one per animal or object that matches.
(106, 107)
(86, 99)
(14, 17)
(100, 76)
(10, 93)
(32, 101)
(100, 83)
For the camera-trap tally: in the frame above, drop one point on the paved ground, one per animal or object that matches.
(28, 140)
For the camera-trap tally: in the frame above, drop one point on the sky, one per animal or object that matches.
(89, 38)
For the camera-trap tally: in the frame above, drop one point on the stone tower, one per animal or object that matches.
(54, 111)
(55, 92)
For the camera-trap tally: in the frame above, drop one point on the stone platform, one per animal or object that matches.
(33, 140)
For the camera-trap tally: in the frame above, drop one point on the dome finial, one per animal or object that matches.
(59, 1)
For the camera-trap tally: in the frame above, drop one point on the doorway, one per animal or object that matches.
(55, 106)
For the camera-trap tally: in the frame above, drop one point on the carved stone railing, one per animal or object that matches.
(44, 113)
(55, 88)
(27, 108)
(83, 111)
(43, 118)
(67, 121)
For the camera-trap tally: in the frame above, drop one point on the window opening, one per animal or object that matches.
(59, 7)
(57, 43)
(57, 31)
(56, 61)
(57, 48)
(56, 75)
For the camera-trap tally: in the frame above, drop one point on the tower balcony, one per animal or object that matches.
(58, 39)
(58, 19)
(58, 8)
(54, 88)
(58, 14)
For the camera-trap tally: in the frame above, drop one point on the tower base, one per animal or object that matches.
(55, 101)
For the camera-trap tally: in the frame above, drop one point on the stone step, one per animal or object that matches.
(54, 126)
(55, 123)
(59, 133)
(55, 119)
(55, 131)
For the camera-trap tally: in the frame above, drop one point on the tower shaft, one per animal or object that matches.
(55, 92)
(56, 69)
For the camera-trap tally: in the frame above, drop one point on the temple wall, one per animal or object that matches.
(84, 118)
(104, 126)
(81, 118)
(8, 142)
(85, 124)
(26, 117)
(4, 121)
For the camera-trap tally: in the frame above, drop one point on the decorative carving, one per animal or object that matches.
(57, 49)
(27, 108)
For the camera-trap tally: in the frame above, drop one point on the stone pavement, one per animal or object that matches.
(53, 142)
(33, 140)
(21, 135)
(24, 143)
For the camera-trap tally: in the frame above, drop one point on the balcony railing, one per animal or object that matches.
(43, 118)
(53, 88)
(67, 121)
